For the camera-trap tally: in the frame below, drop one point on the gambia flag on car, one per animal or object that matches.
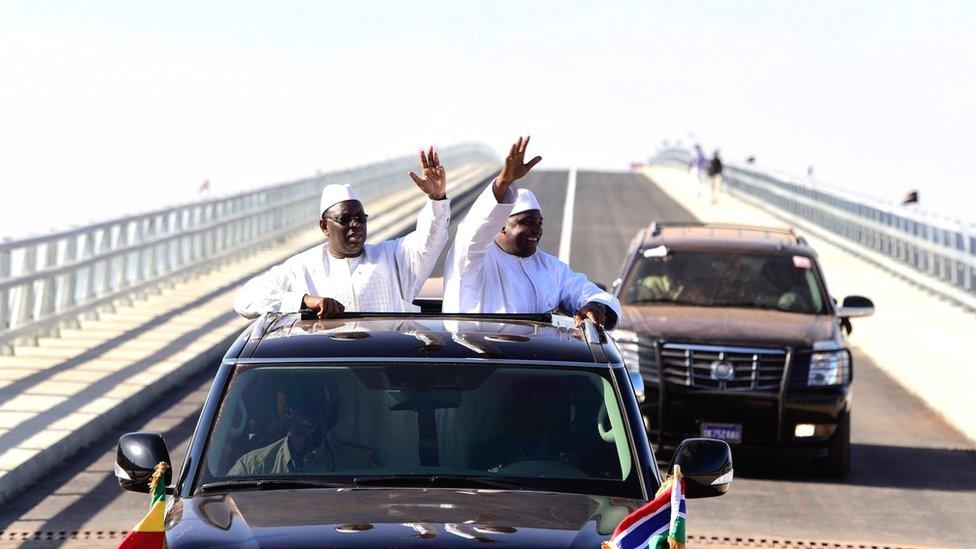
(659, 524)
(148, 534)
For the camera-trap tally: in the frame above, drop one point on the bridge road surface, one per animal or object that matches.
(912, 483)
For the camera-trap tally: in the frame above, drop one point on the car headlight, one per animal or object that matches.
(829, 368)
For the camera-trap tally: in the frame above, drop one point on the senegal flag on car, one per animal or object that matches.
(148, 534)
(659, 524)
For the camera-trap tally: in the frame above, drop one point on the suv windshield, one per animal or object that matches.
(713, 279)
(422, 424)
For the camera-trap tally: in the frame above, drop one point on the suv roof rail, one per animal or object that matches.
(656, 226)
(262, 324)
(557, 318)
(594, 333)
(535, 317)
(266, 322)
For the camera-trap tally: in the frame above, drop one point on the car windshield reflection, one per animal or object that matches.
(465, 426)
(707, 279)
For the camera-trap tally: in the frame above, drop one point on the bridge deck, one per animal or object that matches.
(907, 462)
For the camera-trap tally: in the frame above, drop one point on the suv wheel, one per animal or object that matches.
(837, 464)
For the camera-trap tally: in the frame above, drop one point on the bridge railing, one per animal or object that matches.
(939, 253)
(51, 281)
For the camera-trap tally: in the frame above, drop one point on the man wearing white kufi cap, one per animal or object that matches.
(495, 266)
(345, 273)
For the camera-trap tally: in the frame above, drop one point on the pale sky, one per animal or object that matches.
(114, 107)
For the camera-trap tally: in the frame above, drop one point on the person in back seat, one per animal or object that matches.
(345, 273)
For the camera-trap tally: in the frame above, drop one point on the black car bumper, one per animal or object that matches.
(766, 421)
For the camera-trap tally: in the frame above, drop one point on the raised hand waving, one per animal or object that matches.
(515, 168)
(434, 178)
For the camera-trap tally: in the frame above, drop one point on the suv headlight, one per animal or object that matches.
(829, 368)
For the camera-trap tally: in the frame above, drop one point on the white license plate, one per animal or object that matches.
(729, 432)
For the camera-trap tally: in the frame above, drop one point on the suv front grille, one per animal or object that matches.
(708, 367)
(637, 352)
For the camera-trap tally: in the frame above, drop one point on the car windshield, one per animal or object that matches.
(422, 425)
(781, 282)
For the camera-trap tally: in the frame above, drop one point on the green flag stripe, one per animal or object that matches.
(677, 531)
(159, 491)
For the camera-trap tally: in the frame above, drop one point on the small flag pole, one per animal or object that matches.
(658, 524)
(149, 533)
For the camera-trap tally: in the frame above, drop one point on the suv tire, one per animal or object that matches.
(837, 464)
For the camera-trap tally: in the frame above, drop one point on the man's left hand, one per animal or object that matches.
(434, 180)
(595, 312)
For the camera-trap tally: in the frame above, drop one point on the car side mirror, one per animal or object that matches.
(637, 382)
(136, 458)
(855, 306)
(706, 464)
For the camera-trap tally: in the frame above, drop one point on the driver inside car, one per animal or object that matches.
(785, 287)
(539, 416)
(307, 447)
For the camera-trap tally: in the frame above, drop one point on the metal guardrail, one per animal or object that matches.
(939, 253)
(51, 281)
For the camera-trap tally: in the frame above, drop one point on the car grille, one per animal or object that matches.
(637, 352)
(703, 366)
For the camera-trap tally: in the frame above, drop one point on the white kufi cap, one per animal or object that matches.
(524, 201)
(334, 194)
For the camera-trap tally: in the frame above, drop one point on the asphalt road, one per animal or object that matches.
(913, 478)
(610, 208)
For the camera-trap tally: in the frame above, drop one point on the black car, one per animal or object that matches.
(735, 336)
(415, 430)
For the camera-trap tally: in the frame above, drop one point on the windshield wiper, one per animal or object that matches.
(268, 484)
(453, 481)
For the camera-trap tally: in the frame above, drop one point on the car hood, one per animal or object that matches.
(402, 517)
(727, 325)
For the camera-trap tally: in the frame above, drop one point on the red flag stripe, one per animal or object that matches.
(663, 499)
(142, 540)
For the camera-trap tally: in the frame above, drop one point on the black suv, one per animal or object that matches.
(416, 430)
(734, 333)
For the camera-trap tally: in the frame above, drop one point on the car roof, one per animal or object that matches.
(434, 337)
(723, 237)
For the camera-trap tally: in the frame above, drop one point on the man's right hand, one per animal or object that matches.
(323, 307)
(514, 168)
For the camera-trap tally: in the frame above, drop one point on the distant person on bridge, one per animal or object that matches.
(345, 273)
(697, 166)
(715, 169)
(495, 266)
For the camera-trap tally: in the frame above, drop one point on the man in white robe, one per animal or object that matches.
(495, 266)
(345, 273)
